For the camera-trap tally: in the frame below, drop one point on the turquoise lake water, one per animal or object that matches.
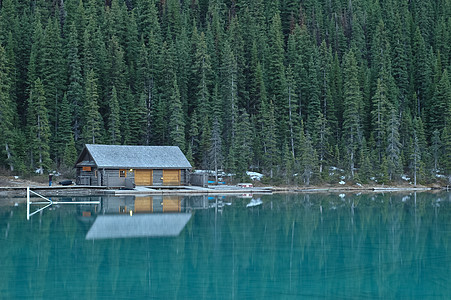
(391, 246)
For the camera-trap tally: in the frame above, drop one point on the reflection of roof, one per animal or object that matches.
(148, 225)
(151, 157)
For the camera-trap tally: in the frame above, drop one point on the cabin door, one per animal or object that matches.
(171, 177)
(143, 177)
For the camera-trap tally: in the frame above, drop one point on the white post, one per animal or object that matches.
(28, 203)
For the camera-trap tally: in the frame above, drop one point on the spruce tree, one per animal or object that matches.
(276, 76)
(7, 112)
(436, 145)
(379, 117)
(351, 114)
(38, 128)
(53, 71)
(64, 135)
(229, 93)
(314, 105)
(74, 89)
(309, 160)
(35, 65)
(70, 154)
(446, 159)
(293, 116)
(113, 119)
(216, 155)
(421, 72)
(393, 146)
(268, 129)
(176, 119)
(138, 122)
(439, 103)
(92, 125)
(242, 145)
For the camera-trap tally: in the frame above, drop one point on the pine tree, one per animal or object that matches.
(379, 116)
(415, 158)
(70, 154)
(287, 163)
(7, 112)
(436, 145)
(131, 48)
(309, 160)
(419, 155)
(201, 72)
(22, 54)
(276, 76)
(64, 136)
(176, 120)
(182, 46)
(336, 91)
(229, 93)
(439, 103)
(320, 142)
(422, 73)
(236, 44)
(446, 159)
(216, 156)
(113, 119)
(314, 105)
(138, 122)
(53, 70)
(400, 66)
(293, 117)
(242, 144)
(393, 146)
(204, 138)
(146, 72)
(8, 20)
(92, 125)
(351, 114)
(147, 20)
(117, 78)
(268, 130)
(38, 128)
(366, 169)
(35, 65)
(74, 90)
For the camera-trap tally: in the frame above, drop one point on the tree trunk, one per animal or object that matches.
(8, 155)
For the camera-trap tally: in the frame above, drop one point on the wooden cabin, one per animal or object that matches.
(128, 166)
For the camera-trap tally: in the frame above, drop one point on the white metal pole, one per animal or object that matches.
(28, 203)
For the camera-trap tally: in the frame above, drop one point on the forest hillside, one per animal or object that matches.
(297, 90)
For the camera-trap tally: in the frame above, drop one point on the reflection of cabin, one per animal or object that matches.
(143, 204)
(144, 225)
(125, 166)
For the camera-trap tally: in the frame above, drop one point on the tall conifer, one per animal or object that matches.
(38, 128)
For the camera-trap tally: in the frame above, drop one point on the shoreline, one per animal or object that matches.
(20, 191)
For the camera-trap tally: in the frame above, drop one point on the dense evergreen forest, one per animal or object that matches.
(293, 89)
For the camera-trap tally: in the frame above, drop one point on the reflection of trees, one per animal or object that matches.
(318, 245)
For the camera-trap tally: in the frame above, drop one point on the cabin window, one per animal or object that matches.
(122, 173)
(87, 169)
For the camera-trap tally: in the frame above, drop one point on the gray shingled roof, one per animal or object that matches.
(148, 225)
(146, 157)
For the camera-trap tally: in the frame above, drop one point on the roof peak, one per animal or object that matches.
(133, 156)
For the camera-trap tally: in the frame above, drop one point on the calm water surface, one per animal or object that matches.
(392, 246)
